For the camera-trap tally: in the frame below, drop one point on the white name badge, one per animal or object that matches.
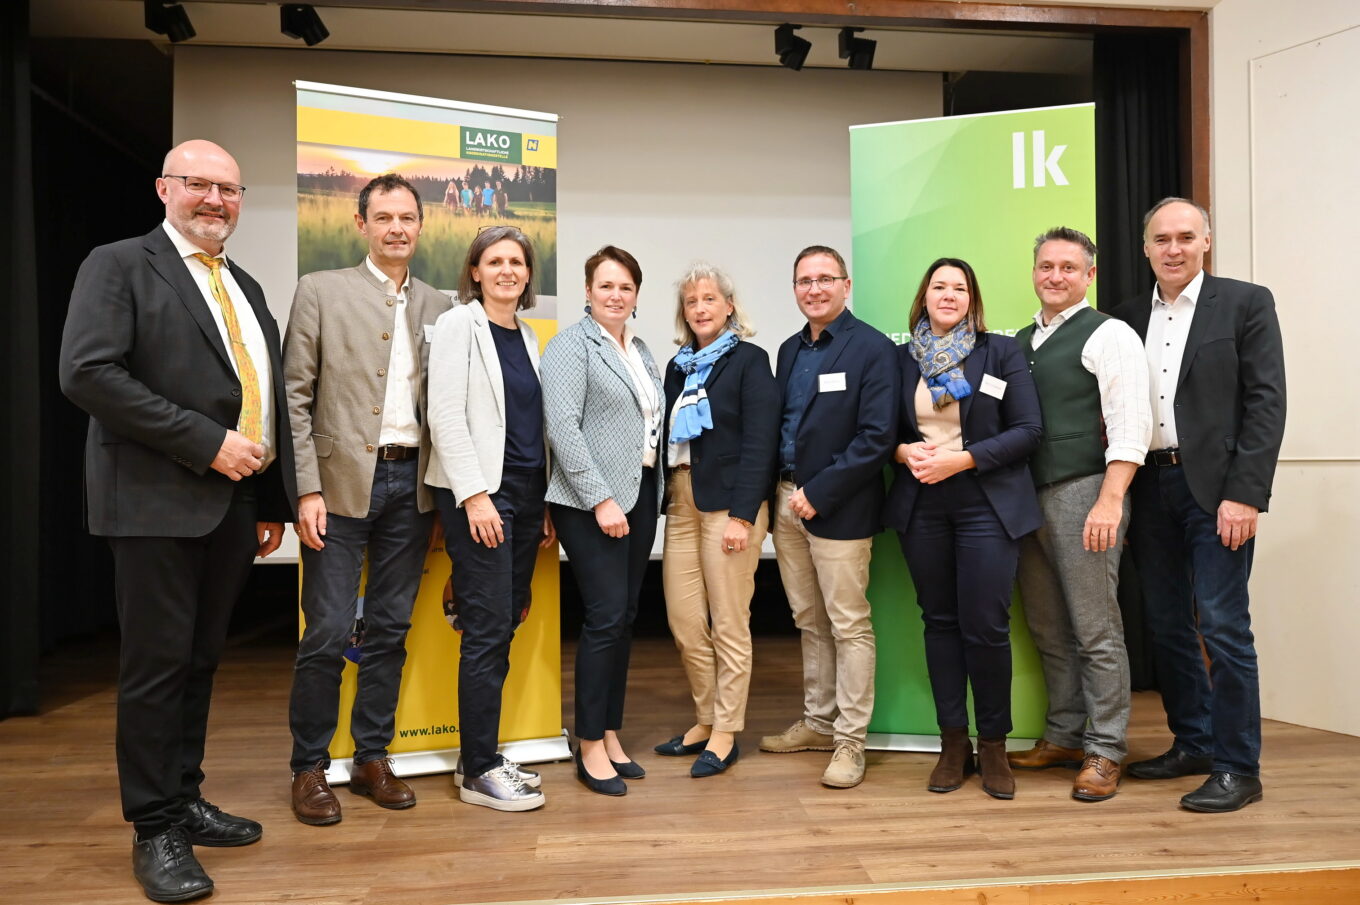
(831, 383)
(993, 386)
(429, 333)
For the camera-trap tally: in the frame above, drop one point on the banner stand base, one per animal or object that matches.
(444, 760)
(896, 741)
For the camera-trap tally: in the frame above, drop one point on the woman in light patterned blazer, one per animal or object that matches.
(603, 401)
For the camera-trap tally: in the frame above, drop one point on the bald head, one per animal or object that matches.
(205, 219)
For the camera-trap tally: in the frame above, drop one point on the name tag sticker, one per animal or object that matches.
(429, 333)
(831, 383)
(993, 386)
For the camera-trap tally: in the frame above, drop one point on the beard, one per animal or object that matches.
(216, 231)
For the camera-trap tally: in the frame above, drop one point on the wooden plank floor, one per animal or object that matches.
(767, 824)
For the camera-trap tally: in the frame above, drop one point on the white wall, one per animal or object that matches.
(1285, 196)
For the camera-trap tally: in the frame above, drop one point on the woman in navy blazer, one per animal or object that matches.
(961, 500)
(722, 434)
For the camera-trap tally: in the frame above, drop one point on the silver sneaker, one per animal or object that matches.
(502, 789)
(529, 777)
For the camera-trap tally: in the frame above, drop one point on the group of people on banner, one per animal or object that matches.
(1027, 457)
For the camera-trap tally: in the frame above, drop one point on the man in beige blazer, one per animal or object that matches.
(355, 365)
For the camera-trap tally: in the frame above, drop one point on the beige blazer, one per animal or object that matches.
(335, 358)
(467, 402)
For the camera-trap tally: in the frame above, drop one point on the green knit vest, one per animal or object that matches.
(1074, 431)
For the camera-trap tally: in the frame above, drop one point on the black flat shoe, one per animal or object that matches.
(676, 747)
(709, 764)
(166, 867)
(207, 824)
(1171, 765)
(629, 769)
(614, 785)
(1224, 792)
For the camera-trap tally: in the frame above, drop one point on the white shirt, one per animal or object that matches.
(649, 401)
(1114, 354)
(679, 453)
(1168, 327)
(399, 425)
(251, 333)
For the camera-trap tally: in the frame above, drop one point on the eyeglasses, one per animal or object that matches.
(196, 185)
(805, 284)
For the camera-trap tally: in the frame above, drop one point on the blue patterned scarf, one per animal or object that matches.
(941, 360)
(693, 417)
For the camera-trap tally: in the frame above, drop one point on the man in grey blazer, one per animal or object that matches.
(354, 361)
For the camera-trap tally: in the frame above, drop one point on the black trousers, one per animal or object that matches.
(609, 571)
(492, 587)
(174, 597)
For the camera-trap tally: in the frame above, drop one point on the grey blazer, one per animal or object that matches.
(335, 358)
(467, 402)
(594, 419)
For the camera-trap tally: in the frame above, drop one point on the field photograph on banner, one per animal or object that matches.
(981, 188)
(474, 167)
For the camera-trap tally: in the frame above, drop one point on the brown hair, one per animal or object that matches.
(387, 182)
(470, 290)
(918, 305)
(619, 257)
(820, 250)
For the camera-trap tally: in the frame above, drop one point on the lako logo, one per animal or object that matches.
(499, 140)
(1043, 168)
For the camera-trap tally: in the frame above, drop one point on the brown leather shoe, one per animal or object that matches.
(956, 761)
(313, 801)
(997, 780)
(376, 780)
(1097, 780)
(1045, 754)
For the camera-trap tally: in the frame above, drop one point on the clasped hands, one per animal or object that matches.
(931, 464)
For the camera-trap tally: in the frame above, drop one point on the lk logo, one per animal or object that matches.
(1044, 168)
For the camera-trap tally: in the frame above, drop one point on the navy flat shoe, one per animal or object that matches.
(611, 786)
(676, 747)
(629, 769)
(709, 764)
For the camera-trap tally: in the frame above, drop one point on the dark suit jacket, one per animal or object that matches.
(1000, 433)
(733, 463)
(1230, 397)
(846, 437)
(142, 354)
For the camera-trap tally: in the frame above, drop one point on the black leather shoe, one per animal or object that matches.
(1171, 765)
(614, 785)
(1224, 792)
(167, 869)
(710, 764)
(207, 824)
(629, 769)
(676, 747)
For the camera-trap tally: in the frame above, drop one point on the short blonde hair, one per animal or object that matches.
(739, 323)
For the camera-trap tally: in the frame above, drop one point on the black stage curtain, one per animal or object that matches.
(1138, 147)
(20, 413)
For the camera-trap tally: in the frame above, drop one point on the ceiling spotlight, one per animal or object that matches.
(167, 19)
(859, 51)
(300, 20)
(792, 49)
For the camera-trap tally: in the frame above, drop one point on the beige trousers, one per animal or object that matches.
(825, 581)
(708, 604)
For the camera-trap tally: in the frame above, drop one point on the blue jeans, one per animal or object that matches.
(396, 535)
(1195, 587)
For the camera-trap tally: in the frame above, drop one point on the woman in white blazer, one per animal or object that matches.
(488, 466)
(603, 400)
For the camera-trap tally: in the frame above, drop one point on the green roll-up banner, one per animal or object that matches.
(979, 188)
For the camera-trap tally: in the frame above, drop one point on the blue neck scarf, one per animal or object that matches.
(693, 417)
(941, 360)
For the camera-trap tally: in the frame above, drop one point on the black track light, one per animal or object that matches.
(792, 49)
(300, 20)
(167, 19)
(859, 51)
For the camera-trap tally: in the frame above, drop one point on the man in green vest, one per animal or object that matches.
(1092, 379)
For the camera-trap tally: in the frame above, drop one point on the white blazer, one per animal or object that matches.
(467, 402)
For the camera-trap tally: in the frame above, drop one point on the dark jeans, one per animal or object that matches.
(492, 587)
(1194, 586)
(963, 565)
(609, 572)
(175, 596)
(396, 535)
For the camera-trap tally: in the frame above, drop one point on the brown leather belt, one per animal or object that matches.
(682, 467)
(1164, 457)
(396, 453)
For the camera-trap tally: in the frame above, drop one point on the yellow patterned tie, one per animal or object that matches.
(252, 416)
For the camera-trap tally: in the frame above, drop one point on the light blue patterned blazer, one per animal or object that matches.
(594, 419)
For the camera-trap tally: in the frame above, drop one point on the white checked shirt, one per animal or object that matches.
(1114, 354)
(399, 425)
(1168, 328)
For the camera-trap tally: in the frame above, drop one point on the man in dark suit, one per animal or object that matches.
(838, 381)
(1218, 400)
(189, 474)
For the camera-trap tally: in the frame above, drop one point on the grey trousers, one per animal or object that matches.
(1072, 606)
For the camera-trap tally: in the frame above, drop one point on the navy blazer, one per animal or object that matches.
(732, 464)
(1230, 396)
(1000, 433)
(846, 436)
